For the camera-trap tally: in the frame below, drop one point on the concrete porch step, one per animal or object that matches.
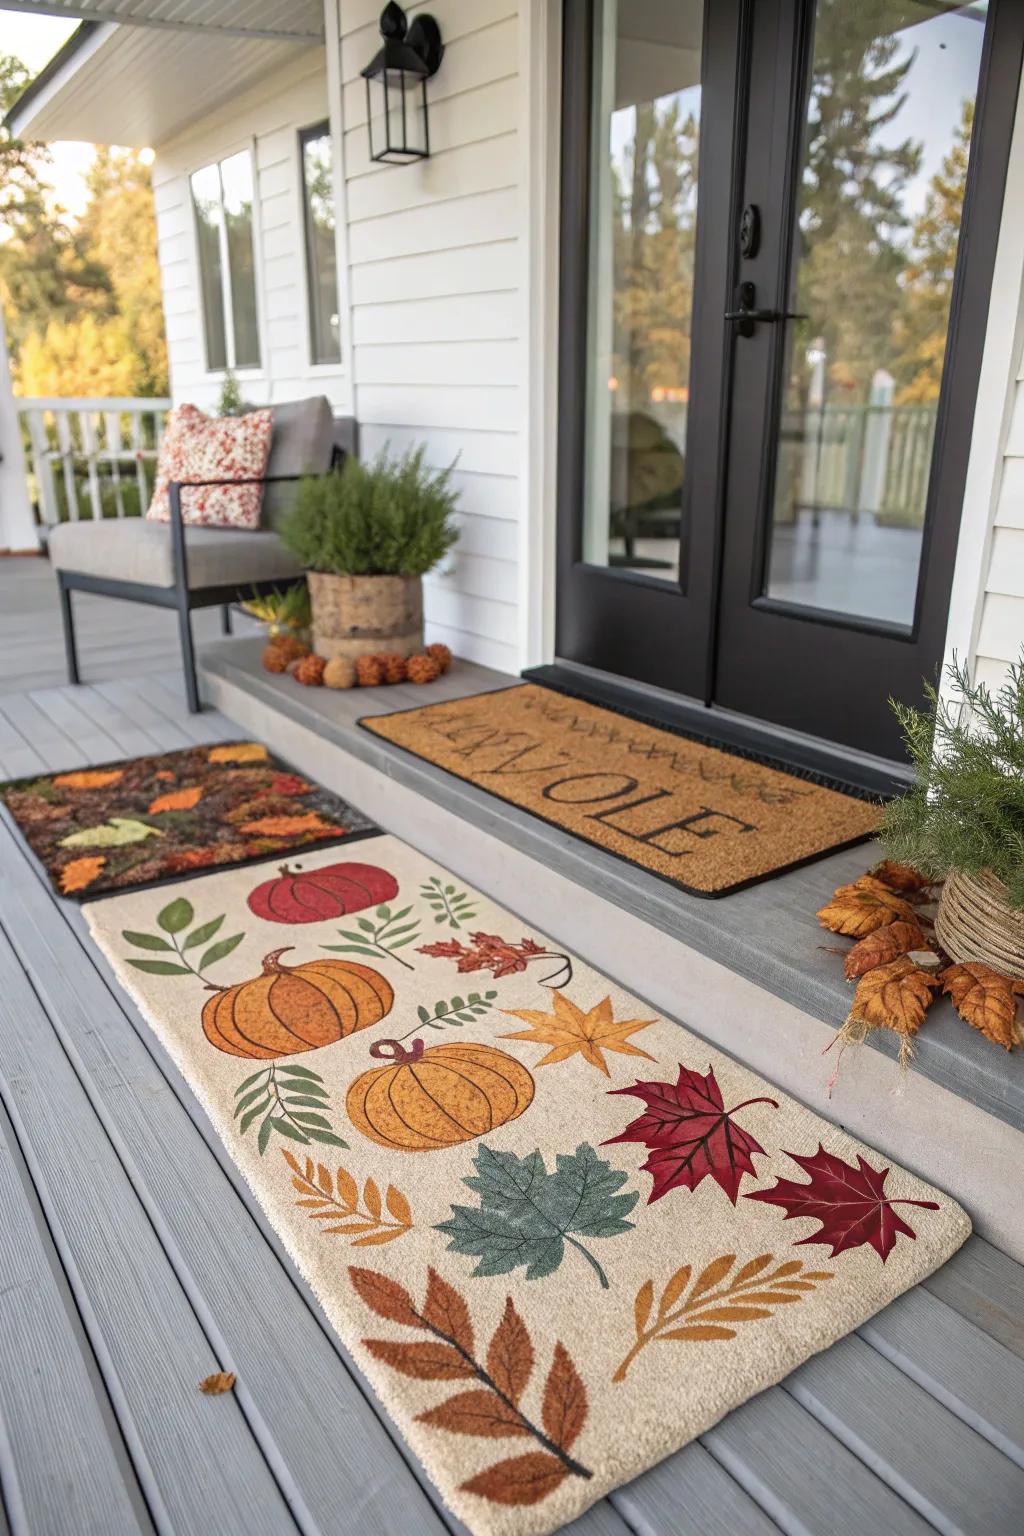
(751, 972)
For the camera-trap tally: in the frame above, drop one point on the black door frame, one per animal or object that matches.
(605, 614)
(793, 664)
(605, 618)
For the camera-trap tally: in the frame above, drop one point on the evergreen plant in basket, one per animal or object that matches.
(366, 535)
(963, 822)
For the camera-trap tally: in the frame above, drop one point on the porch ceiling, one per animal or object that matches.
(140, 85)
(287, 20)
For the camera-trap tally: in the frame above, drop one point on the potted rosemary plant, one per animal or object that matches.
(963, 822)
(367, 534)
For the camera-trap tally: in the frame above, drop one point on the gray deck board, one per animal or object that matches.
(63, 1467)
(985, 1286)
(140, 1322)
(804, 1477)
(962, 1367)
(141, 1261)
(951, 1475)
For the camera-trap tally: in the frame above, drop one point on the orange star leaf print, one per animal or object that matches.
(571, 1032)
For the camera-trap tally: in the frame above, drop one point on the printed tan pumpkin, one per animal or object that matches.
(293, 1008)
(438, 1097)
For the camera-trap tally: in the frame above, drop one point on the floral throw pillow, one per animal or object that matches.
(199, 447)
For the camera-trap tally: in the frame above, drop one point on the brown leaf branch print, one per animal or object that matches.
(706, 1309)
(489, 1405)
(368, 1223)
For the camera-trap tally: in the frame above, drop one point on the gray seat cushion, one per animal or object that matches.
(302, 444)
(131, 549)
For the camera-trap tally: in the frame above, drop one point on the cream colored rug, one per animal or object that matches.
(561, 1235)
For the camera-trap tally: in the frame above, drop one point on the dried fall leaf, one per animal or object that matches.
(240, 752)
(861, 907)
(81, 872)
(881, 946)
(904, 879)
(894, 996)
(218, 1383)
(288, 826)
(984, 999)
(176, 800)
(89, 778)
(519, 1479)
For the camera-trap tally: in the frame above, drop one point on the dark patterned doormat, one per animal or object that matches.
(149, 819)
(708, 820)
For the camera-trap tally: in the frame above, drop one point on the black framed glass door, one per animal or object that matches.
(650, 104)
(761, 512)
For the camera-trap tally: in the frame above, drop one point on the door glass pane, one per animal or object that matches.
(236, 180)
(886, 144)
(643, 222)
(321, 261)
(206, 199)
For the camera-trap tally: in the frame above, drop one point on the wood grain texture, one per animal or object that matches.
(973, 1375)
(141, 1324)
(984, 1285)
(63, 1467)
(923, 1452)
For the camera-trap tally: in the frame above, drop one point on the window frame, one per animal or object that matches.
(250, 371)
(320, 129)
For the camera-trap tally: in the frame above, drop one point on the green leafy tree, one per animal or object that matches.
(928, 279)
(45, 273)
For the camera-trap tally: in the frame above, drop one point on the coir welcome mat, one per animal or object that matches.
(704, 818)
(150, 819)
(561, 1236)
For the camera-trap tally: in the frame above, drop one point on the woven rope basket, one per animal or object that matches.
(976, 922)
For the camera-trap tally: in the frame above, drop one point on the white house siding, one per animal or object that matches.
(267, 120)
(436, 292)
(986, 619)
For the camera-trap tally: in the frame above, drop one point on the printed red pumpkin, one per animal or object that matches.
(314, 895)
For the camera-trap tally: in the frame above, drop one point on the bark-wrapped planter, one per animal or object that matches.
(354, 615)
(976, 922)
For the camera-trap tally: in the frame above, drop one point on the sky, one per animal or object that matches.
(34, 40)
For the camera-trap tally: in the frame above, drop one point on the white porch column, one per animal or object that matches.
(17, 528)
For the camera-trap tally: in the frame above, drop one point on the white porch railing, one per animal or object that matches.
(91, 458)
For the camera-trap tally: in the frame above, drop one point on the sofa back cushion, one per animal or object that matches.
(197, 448)
(302, 444)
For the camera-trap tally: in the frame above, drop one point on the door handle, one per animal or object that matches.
(747, 316)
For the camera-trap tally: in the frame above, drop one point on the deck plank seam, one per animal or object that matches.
(135, 1452)
(280, 1473)
(12, 1508)
(885, 1473)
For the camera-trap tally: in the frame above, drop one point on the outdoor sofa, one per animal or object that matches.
(172, 565)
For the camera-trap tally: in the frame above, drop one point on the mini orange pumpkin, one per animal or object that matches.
(293, 1008)
(438, 1097)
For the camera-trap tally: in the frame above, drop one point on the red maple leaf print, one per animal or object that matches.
(691, 1134)
(850, 1203)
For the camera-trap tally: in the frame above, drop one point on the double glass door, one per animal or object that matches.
(779, 224)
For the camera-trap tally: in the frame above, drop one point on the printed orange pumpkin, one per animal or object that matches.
(437, 1097)
(293, 1008)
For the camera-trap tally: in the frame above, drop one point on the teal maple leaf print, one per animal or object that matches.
(527, 1215)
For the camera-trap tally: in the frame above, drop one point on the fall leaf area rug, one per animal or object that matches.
(560, 1235)
(150, 819)
(706, 819)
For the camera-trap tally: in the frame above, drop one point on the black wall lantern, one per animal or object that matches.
(396, 86)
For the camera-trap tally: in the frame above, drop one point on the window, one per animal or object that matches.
(222, 196)
(321, 251)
